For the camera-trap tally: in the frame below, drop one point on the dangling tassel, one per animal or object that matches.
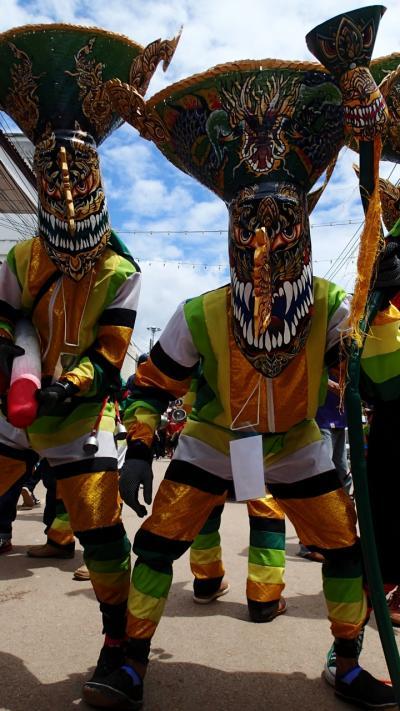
(370, 243)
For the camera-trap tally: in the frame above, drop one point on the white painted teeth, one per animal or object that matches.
(289, 293)
(250, 334)
(286, 334)
(247, 294)
(300, 290)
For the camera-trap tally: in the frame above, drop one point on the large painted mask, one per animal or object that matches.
(271, 274)
(52, 84)
(73, 217)
(260, 134)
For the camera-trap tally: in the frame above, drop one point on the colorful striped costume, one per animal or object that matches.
(266, 555)
(380, 380)
(84, 331)
(297, 469)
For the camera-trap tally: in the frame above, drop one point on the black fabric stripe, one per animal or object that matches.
(155, 545)
(8, 312)
(156, 397)
(216, 512)
(307, 488)
(168, 366)
(44, 288)
(85, 466)
(20, 455)
(349, 554)
(107, 534)
(272, 525)
(159, 564)
(138, 649)
(118, 317)
(185, 473)
(114, 619)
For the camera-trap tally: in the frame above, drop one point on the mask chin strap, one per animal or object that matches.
(66, 188)
(262, 297)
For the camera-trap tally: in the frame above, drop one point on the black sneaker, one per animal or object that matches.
(110, 659)
(366, 692)
(266, 611)
(117, 691)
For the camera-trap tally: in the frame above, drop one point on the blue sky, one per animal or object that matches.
(147, 194)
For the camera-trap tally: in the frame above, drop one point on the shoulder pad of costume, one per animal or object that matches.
(210, 291)
(119, 247)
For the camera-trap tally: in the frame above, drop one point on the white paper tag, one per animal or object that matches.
(247, 468)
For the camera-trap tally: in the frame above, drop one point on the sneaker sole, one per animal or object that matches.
(329, 677)
(363, 704)
(211, 598)
(280, 611)
(104, 697)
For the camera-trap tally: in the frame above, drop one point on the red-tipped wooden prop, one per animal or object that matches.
(22, 405)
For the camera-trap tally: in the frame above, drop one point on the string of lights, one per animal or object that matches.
(170, 231)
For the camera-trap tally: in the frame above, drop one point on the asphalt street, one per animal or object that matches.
(204, 657)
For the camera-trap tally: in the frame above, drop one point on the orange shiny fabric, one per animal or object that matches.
(112, 588)
(10, 471)
(112, 343)
(267, 507)
(140, 629)
(99, 493)
(263, 592)
(327, 521)
(179, 511)
(293, 408)
(144, 377)
(208, 570)
(75, 298)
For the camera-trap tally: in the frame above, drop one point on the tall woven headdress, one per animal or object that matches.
(259, 134)
(52, 85)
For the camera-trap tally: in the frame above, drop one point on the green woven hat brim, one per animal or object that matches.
(51, 77)
(248, 122)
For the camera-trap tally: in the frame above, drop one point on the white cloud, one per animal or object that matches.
(163, 288)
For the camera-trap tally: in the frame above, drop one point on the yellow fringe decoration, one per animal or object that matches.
(367, 253)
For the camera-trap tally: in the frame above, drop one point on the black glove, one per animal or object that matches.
(53, 395)
(134, 473)
(8, 351)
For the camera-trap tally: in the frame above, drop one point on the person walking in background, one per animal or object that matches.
(9, 500)
(266, 560)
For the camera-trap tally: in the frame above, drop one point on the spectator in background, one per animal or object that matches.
(9, 500)
(332, 422)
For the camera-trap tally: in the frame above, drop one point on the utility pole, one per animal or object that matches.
(153, 330)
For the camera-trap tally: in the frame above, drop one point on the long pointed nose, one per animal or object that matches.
(66, 189)
(262, 282)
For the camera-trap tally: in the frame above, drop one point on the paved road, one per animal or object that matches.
(204, 658)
